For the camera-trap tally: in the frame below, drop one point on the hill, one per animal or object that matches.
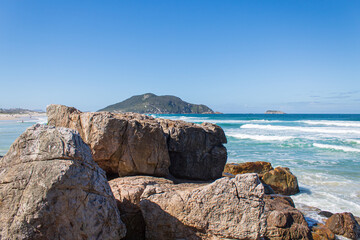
(18, 111)
(151, 103)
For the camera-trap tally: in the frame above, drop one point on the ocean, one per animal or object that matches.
(323, 151)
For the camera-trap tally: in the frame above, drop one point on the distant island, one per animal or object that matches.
(274, 112)
(151, 103)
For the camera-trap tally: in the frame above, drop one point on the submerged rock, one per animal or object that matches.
(227, 208)
(131, 144)
(344, 224)
(50, 188)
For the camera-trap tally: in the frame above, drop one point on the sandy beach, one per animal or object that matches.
(21, 116)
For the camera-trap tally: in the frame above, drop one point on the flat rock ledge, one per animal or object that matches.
(280, 179)
(229, 208)
(135, 144)
(50, 188)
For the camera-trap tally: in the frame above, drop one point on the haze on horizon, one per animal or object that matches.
(233, 56)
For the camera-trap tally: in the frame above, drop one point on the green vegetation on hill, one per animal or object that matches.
(151, 103)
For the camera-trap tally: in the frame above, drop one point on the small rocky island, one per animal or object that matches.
(274, 112)
(151, 103)
(117, 176)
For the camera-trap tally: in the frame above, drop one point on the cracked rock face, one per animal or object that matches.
(50, 188)
(132, 144)
(124, 144)
(225, 209)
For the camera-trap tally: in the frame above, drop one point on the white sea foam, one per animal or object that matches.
(260, 137)
(333, 123)
(302, 129)
(336, 147)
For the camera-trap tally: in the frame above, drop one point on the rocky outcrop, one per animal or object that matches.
(258, 167)
(321, 232)
(131, 144)
(344, 224)
(125, 144)
(196, 151)
(280, 179)
(283, 220)
(50, 188)
(227, 208)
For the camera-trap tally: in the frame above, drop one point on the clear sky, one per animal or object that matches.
(234, 56)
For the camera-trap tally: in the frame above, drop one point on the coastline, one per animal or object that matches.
(22, 116)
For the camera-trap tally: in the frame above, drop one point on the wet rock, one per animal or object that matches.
(284, 221)
(227, 208)
(344, 224)
(50, 188)
(325, 214)
(125, 144)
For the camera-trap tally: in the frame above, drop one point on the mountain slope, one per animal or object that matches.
(151, 103)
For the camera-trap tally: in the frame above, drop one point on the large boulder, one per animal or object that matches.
(283, 220)
(344, 224)
(132, 144)
(123, 144)
(321, 232)
(196, 151)
(227, 208)
(50, 188)
(282, 181)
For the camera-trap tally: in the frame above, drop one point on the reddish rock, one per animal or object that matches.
(344, 224)
(282, 181)
(248, 167)
(321, 232)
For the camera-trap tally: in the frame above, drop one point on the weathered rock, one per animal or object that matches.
(126, 144)
(127, 192)
(344, 224)
(283, 220)
(258, 167)
(50, 188)
(321, 232)
(281, 180)
(131, 144)
(227, 208)
(196, 151)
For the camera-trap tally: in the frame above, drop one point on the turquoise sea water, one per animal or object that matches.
(323, 151)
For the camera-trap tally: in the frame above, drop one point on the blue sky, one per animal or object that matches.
(234, 56)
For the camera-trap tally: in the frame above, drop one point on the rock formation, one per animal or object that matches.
(344, 224)
(126, 144)
(130, 144)
(280, 179)
(50, 188)
(196, 151)
(274, 112)
(283, 220)
(227, 208)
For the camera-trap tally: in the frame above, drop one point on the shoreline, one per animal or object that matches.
(21, 116)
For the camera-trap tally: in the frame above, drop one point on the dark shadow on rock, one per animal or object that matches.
(162, 226)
